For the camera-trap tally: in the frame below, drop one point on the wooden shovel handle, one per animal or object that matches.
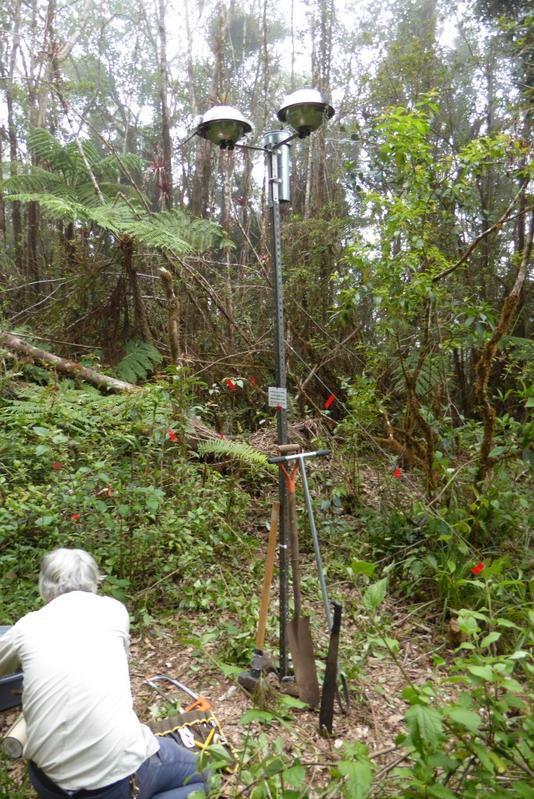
(268, 575)
(294, 541)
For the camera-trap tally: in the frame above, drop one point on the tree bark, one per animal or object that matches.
(165, 174)
(174, 314)
(8, 80)
(141, 318)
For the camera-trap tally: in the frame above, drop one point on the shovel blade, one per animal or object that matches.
(301, 648)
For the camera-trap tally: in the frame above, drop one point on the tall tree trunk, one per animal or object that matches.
(2, 204)
(165, 174)
(141, 319)
(8, 81)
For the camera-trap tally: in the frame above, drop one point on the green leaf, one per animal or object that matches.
(524, 790)
(286, 700)
(441, 792)
(295, 775)
(359, 778)
(375, 595)
(256, 715)
(363, 567)
(483, 672)
(490, 639)
(482, 753)
(424, 725)
(519, 654)
(43, 432)
(466, 718)
(274, 766)
(45, 521)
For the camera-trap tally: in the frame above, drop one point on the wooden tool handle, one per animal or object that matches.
(295, 557)
(268, 575)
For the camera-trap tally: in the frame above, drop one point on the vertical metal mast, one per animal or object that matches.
(275, 181)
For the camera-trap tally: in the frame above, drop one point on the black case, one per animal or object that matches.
(10, 685)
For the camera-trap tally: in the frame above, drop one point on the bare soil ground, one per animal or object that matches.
(375, 717)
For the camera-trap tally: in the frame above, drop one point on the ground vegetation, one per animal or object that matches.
(136, 348)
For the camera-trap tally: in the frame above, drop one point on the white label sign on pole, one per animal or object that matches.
(277, 397)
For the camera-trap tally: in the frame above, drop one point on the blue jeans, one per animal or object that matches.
(46, 789)
(170, 774)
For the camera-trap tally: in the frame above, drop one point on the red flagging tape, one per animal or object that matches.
(329, 401)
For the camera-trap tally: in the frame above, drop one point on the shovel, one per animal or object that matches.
(298, 628)
(326, 711)
(249, 679)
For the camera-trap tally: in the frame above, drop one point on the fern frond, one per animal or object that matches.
(77, 169)
(140, 361)
(175, 231)
(238, 450)
(435, 369)
(36, 180)
(46, 147)
(110, 166)
(53, 207)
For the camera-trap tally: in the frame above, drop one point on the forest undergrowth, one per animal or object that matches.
(437, 623)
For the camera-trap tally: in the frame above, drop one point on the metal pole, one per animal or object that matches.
(315, 539)
(281, 382)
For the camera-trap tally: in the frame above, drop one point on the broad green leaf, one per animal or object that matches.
(375, 594)
(467, 718)
(441, 792)
(359, 778)
(41, 431)
(363, 567)
(274, 766)
(519, 654)
(483, 672)
(256, 715)
(524, 790)
(45, 521)
(424, 725)
(295, 775)
(482, 752)
(490, 639)
(287, 700)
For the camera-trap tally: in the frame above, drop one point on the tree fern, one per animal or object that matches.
(435, 369)
(139, 362)
(66, 193)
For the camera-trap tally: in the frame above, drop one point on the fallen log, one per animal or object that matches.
(66, 367)
(198, 430)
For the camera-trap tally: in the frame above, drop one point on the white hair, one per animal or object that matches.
(65, 570)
